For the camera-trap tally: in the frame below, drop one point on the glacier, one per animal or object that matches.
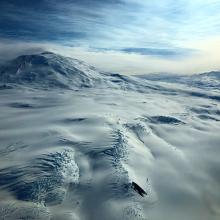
(78, 143)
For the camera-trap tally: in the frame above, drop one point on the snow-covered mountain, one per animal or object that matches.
(77, 143)
(203, 80)
(49, 69)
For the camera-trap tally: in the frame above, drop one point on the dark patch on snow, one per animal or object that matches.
(20, 105)
(73, 120)
(208, 111)
(207, 117)
(138, 189)
(164, 120)
(5, 86)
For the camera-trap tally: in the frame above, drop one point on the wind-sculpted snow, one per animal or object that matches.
(123, 149)
(42, 180)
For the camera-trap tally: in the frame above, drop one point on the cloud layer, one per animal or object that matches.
(162, 30)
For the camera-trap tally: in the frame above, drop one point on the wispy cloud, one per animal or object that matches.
(166, 53)
(161, 29)
(206, 57)
(110, 23)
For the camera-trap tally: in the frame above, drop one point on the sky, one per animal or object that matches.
(125, 36)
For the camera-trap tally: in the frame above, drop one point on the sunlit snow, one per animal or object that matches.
(74, 140)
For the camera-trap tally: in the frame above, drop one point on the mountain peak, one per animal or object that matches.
(49, 69)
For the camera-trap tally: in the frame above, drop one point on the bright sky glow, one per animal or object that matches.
(163, 35)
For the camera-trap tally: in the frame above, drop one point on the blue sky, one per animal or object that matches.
(167, 31)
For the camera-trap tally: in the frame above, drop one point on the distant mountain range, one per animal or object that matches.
(50, 70)
(203, 80)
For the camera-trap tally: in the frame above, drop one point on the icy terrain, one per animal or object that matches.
(80, 144)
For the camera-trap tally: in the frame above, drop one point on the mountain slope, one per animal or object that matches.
(49, 69)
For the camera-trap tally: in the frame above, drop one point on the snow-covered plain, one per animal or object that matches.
(73, 139)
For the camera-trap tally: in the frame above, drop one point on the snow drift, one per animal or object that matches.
(77, 143)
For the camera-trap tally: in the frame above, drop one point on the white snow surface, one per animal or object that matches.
(73, 139)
